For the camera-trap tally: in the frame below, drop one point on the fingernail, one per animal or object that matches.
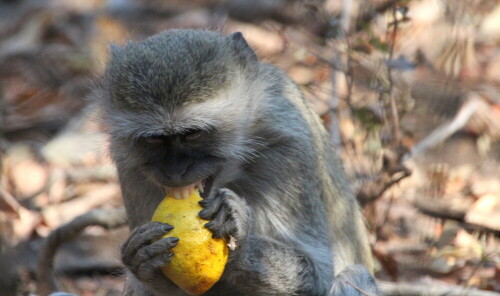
(174, 239)
(167, 227)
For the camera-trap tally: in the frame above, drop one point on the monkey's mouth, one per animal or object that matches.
(185, 191)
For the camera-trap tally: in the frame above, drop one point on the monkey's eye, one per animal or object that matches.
(193, 135)
(154, 139)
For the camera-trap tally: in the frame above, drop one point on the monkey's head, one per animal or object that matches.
(177, 105)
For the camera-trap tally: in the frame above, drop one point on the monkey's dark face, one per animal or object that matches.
(179, 162)
(184, 148)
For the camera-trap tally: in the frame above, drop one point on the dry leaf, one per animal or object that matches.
(301, 75)
(29, 177)
(485, 212)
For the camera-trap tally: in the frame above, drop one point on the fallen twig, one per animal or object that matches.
(8, 203)
(448, 210)
(56, 214)
(416, 289)
(441, 209)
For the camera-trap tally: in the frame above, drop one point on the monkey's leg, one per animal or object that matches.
(262, 266)
(354, 280)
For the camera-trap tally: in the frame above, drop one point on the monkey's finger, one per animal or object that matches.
(155, 249)
(138, 230)
(217, 226)
(141, 238)
(145, 227)
(146, 233)
(211, 207)
(149, 270)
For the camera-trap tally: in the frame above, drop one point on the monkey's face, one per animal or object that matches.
(186, 147)
(180, 162)
(181, 146)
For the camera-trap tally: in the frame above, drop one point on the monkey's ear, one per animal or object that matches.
(243, 50)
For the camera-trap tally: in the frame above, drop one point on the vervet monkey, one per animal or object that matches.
(192, 109)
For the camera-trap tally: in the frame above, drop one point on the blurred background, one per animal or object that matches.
(409, 90)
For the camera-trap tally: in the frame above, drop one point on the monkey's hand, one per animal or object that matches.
(228, 214)
(144, 254)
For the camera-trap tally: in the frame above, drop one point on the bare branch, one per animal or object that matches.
(369, 15)
(392, 173)
(107, 218)
(449, 128)
(392, 99)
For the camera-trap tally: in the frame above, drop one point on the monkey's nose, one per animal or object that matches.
(173, 180)
(176, 173)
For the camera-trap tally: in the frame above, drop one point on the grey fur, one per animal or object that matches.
(278, 187)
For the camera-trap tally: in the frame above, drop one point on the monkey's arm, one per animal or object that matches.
(142, 254)
(262, 265)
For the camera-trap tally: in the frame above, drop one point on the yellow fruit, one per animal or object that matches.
(199, 259)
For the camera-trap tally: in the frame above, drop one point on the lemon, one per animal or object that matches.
(199, 259)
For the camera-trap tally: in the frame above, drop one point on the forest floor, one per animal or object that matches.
(403, 71)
